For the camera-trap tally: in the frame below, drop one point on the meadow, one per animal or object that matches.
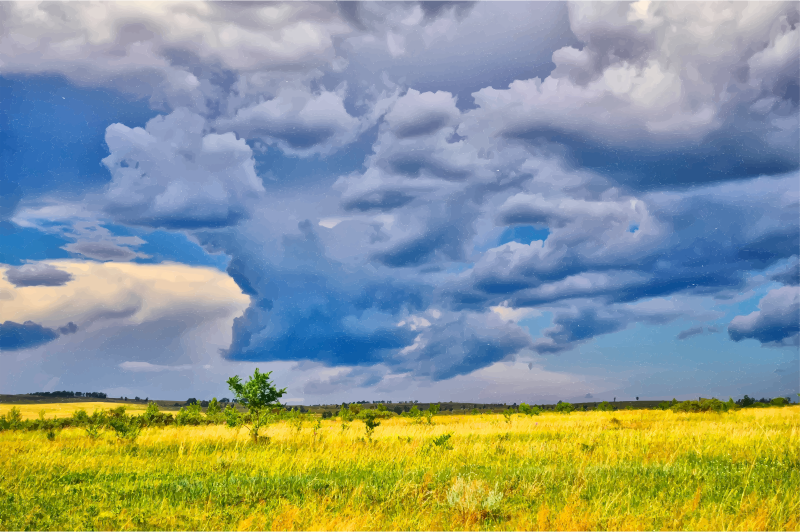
(629, 469)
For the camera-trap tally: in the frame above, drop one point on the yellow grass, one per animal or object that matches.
(649, 470)
(59, 410)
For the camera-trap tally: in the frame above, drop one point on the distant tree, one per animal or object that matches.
(136, 398)
(204, 404)
(258, 394)
(637, 397)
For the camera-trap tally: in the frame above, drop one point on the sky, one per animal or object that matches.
(438, 201)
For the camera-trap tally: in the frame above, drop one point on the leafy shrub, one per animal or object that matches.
(80, 417)
(779, 401)
(430, 412)
(125, 428)
(605, 406)
(529, 410)
(232, 416)
(327, 414)
(190, 415)
(415, 414)
(704, 405)
(370, 424)
(564, 408)
(214, 411)
(443, 440)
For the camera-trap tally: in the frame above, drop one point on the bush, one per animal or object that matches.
(327, 414)
(564, 408)
(214, 412)
(779, 401)
(125, 427)
(430, 412)
(525, 409)
(369, 422)
(605, 406)
(190, 415)
(704, 405)
(232, 416)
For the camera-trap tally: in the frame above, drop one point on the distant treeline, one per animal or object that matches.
(96, 395)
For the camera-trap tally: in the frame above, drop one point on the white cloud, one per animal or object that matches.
(148, 367)
(657, 75)
(172, 174)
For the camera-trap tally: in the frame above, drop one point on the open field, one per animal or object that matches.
(630, 470)
(59, 410)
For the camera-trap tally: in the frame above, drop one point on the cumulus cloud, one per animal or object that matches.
(299, 122)
(171, 174)
(158, 50)
(349, 278)
(418, 113)
(37, 275)
(777, 322)
(132, 293)
(653, 78)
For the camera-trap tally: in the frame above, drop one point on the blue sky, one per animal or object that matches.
(435, 201)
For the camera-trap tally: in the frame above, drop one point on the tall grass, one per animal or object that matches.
(646, 470)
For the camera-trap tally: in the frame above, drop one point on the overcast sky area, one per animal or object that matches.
(479, 202)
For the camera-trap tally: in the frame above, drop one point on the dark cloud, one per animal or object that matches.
(688, 333)
(69, 328)
(789, 275)
(102, 251)
(37, 275)
(16, 336)
(694, 331)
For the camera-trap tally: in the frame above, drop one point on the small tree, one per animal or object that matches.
(346, 416)
(369, 422)
(257, 394)
(430, 412)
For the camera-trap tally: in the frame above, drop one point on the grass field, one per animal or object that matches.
(631, 470)
(59, 410)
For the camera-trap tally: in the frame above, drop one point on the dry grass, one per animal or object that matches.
(648, 470)
(59, 410)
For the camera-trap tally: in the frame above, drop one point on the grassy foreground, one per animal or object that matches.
(630, 470)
